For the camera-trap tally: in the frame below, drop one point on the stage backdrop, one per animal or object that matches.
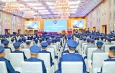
(55, 25)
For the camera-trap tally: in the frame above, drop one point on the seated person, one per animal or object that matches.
(49, 41)
(99, 48)
(6, 43)
(113, 37)
(71, 56)
(28, 43)
(90, 45)
(111, 55)
(108, 42)
(34, 55)
(66, 51)
(9, 68)
(36, 41)
(44, 50)
(17, 49)
(12, 40)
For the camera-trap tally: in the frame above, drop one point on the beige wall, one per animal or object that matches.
(8, 20)
(101, 16)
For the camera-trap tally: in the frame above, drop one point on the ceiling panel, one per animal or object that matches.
(46, 8)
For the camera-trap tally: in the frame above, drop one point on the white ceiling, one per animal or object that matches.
(45, 8)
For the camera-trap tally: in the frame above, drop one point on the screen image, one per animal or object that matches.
(78, 24)
(55, 25)
(31, 25)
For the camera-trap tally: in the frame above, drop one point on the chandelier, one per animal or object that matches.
(28, 15)
(63, 8)
(37, 17)
(12, 7)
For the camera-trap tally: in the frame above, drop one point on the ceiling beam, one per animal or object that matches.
(47, 7)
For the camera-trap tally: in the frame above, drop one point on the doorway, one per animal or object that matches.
(94, 29)
(7, 31)
(80, 30)
(35, 31)
(104, 29)
(19, 31)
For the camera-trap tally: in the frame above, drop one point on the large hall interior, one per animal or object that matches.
(57, 36)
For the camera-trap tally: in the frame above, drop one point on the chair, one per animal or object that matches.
(89, 55)
(83, 45)
(52, 50)
(12, 47)
(7, 51)
(16, 60)
(26, 52)
(113, 42)
(108, 67)
(55, 48)
(72, 67)
(32, 67)
(3, 68)
(107, 48)
(77, 39)
(84, 50)
(79, 46)
(98, 59)
(46, 58)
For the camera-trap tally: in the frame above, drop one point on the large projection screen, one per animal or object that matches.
(55, 25)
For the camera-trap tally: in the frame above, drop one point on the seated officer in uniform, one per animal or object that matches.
(66, 51)
(91, 45)
(71, 56)
(17, 49)
(6, 42)
(113, 37)
(99, 48)
(108, 42)
(49, 43)
(28, 44)
(44, 50)
(111, 55)
(83, 41)
(9, 68)
(34, 54)
(36, 42)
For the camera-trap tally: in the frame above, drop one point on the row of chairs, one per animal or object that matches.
(53, 51)
(94, 65)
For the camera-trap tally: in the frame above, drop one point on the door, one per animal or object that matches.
(19, 31)
(104, 28)
(94, 29)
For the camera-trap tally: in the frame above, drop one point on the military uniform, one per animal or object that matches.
(45, 44)
(66, 51)
(5, 43)
(9, 68)
(71, 57)
(18, 51)
(35, 49)
(99, 50)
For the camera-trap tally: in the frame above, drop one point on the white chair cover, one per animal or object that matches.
(72, 67)
(3, 68)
